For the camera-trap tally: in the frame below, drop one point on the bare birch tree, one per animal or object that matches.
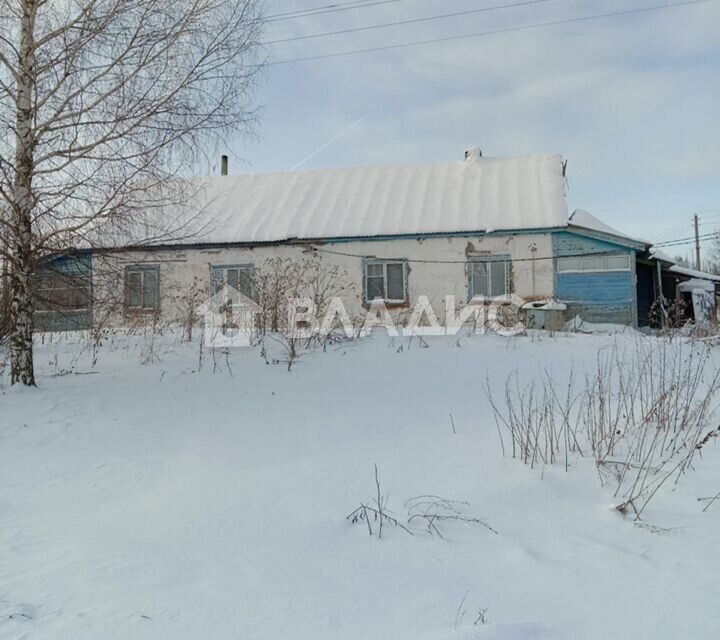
(103, 105)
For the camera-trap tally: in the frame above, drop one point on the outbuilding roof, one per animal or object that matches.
(694, 273)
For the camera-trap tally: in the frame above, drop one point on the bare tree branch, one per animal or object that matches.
(107, 104)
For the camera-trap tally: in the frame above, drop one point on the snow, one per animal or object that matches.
(161, 502)
(548, 305)
(577, 323)
(694, 273)
(473, 195)
(661, 256)
(585, 220)
(696, 284)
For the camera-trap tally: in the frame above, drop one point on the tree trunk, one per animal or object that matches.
(4, 290)
(21, 268)
(21, 309)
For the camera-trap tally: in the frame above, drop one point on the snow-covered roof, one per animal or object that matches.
(662, 256)
(693, 273)
(478, 194)
(695, 284)
(680, 270)
(585, 220)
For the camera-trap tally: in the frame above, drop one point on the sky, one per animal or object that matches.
(632, 101)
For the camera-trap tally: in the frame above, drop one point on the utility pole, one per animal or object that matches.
(697, 243)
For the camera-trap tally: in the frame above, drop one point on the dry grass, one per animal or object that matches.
(642, 414)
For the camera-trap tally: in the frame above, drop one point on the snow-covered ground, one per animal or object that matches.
(156, 501)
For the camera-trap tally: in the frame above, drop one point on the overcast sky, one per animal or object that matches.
(632, 102)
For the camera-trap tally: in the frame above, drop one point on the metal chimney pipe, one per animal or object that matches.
(223, 165)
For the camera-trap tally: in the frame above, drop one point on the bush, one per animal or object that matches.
(643, 414)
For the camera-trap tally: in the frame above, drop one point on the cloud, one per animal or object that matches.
(631, 101)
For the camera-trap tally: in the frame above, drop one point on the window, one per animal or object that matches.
(489, 276)
(609, 262)
(386, 280)
(593, 263)
(617, 263)
(142, 288)
(57, 291)
(239, 277)
(570, 264)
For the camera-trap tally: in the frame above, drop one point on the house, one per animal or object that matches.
(476, 227)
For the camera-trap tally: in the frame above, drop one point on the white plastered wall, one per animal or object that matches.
(437, 267)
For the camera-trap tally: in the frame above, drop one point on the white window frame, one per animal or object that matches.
(487, 259)
(595, 256)
(376, 261)
(142, 270)
(246, 268)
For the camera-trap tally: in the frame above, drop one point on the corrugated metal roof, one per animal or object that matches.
(479, 194)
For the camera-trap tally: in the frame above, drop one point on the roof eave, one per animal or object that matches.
(608, 237)
(327, 240)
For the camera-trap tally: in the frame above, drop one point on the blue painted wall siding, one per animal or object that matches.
(77, 265)
(608, 296)
(63, 321)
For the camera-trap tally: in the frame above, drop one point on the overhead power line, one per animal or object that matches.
(474, 258)
(688, 240)
(708, 220)
(527, 27)
(330, 8)
(715, 211)
(674, 240)
(397, 23)
(670, 230)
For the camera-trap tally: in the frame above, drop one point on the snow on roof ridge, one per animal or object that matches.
(388, 165)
